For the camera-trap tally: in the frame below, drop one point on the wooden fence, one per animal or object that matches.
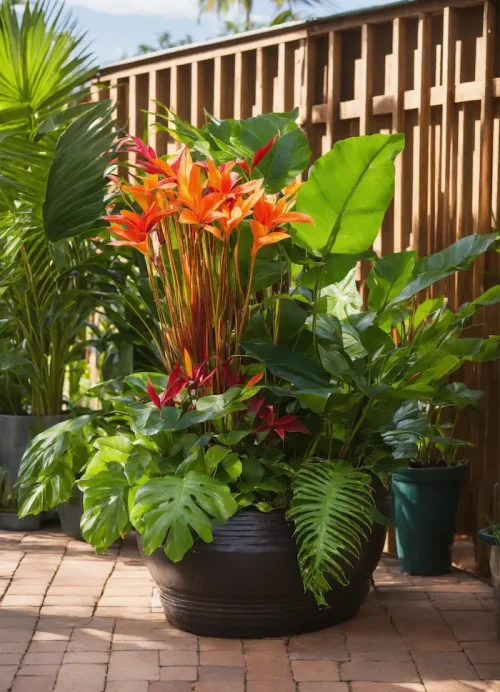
(428, 68)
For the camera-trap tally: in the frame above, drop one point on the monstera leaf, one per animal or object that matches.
(169, 510)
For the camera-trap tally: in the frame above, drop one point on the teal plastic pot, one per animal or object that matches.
(487, 537)
(424, 506)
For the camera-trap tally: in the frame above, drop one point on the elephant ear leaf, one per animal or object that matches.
(76, 186)
(347, 194)
(169, 510)
(332, 509)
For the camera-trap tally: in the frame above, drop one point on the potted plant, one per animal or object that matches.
(253, 467)
(47, 290)
(426, 495)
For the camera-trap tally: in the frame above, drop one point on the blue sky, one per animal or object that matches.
(117, 27)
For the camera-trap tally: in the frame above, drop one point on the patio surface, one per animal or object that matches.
(71, 621)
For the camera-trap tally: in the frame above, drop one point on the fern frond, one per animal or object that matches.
(332, 510)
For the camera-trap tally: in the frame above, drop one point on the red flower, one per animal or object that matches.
(194, 379)
(272, 423)
(133, 228)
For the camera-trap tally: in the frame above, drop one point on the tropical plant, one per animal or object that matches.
(269, 397)
(54, 151)
(223, 7)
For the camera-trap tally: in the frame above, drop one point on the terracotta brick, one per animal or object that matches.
(472, 626)
(187, 673)
(386, 687)
(488, 671)
(168, 686)
(43, 658)
(220, 673)
(7, 675)
(31, 684)
(216, 686)
(374, 671)
(131, 686)
(11, 659)
(67, 611)
(315, 671)
(178, 658)
(461, 686)
(13, 648)
(39, 669)
(134, 665)
(47, 647)
(394, 656)
(482, 652)
(274, 685)
(172, 644)
(264, 646)
(213, 644)
(439, 665)
(262, 666)
(56, 635)
(325, 687)
(76, 677)
(222, 658)
(86, 657)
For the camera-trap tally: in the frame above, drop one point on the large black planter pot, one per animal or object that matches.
(424, 507)
(16, 432)
(70, 515)
(247, 582)
(486, 536)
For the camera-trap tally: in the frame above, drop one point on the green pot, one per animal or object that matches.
(424, 506)
(486, 536)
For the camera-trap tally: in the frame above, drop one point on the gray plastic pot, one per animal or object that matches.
(70, 515)
(16, 432)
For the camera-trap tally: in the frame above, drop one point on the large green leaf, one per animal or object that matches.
(389, 275)
(433, 268)
(294, 367)
(105, 516)
(347, 194)
(286, 159)
(77, 182)
(332, 509)
(169, 510)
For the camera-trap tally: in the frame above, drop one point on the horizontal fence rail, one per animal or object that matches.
(429, 69)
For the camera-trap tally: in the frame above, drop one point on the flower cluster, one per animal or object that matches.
(189, 218)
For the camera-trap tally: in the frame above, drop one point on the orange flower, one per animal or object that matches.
(133, 228)
(271, 213)
(263, 236)
(235, 213)
(222, 179)
(200, 209)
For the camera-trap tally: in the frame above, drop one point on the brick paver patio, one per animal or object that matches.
(71, 621)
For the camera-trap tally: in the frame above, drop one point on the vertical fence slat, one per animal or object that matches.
(398, 125)
(449, 52)
(421, 157)
(196, 105)
(333, 91)
(366, 90)
(152, 107)
(172, 145)
(238, 85)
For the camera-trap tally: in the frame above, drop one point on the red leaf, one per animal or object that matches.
(153, 395)
(260, 153)
(253, 380)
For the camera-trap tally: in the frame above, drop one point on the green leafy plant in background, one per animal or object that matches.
(305, 407)
(54, 151)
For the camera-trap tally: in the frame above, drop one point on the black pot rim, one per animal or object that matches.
(485, 536)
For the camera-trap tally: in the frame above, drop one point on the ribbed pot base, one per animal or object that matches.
(247, 582)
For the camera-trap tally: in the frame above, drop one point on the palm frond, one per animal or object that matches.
(332, 509)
